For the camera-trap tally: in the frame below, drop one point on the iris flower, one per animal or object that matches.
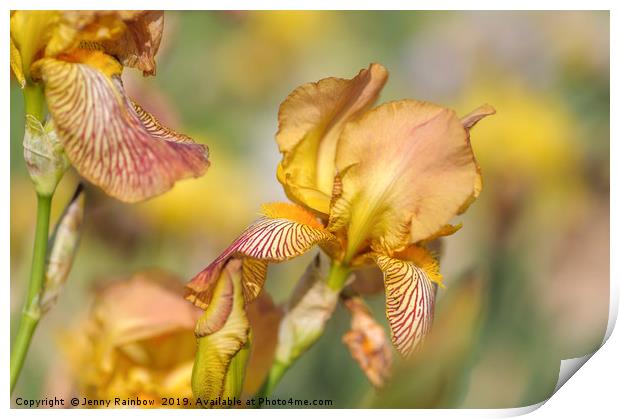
(111, 140)
(369, 186)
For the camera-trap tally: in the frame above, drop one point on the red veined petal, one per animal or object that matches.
(112, 143)
(409, 302)
(286, 231)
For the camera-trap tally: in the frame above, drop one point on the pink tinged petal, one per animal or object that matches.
(267, 240)
(112, 143)
(476, 115)
(407, 168)
(409, 302)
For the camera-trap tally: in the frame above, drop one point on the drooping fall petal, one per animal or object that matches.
(310, 121)
(285, 231)
(64, 244)
(114, 145)
(409, 296)
(407, 169)
(368, 343)
(224, 342)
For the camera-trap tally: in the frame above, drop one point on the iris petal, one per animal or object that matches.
(310, 121)
(117, 146)
(409, 301)
(407, 167)
(285, 232)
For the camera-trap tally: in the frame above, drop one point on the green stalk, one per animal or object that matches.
(34, 100)
(276, 372)
(34, 103)
(31, 312)
(338, 274)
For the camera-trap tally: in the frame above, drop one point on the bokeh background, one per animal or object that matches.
(527, 276)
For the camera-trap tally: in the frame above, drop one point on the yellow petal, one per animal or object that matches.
(31, 30)
(64, 244)
(407, 169)
(286, 231)
(446, 230)
(409, 302)
(117, 146)
(368, 343)
(310, 121)
(213, 376)
(16, 65)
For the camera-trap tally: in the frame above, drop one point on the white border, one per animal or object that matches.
(594, 390)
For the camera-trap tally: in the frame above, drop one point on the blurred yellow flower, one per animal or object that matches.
(138, 340)
(532, 145)
(111, 140)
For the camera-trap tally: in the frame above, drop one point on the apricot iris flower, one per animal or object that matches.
(369, 185)
(112, 141)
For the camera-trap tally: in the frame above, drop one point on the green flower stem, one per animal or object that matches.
(34, 100)
(34, 103)
(338, 274)
(276, 372)
(336, 279)
(31, 312)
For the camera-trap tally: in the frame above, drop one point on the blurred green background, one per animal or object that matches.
(527, 276)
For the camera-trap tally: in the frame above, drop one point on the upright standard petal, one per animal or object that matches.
(407, 169)
(409, 296)
(285, 231)
(132, 36)
(310, 121)
(31, 30)
(468, 122)
(111, 142)
(16, 65)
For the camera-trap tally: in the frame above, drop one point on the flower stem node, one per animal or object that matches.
(44, 155)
